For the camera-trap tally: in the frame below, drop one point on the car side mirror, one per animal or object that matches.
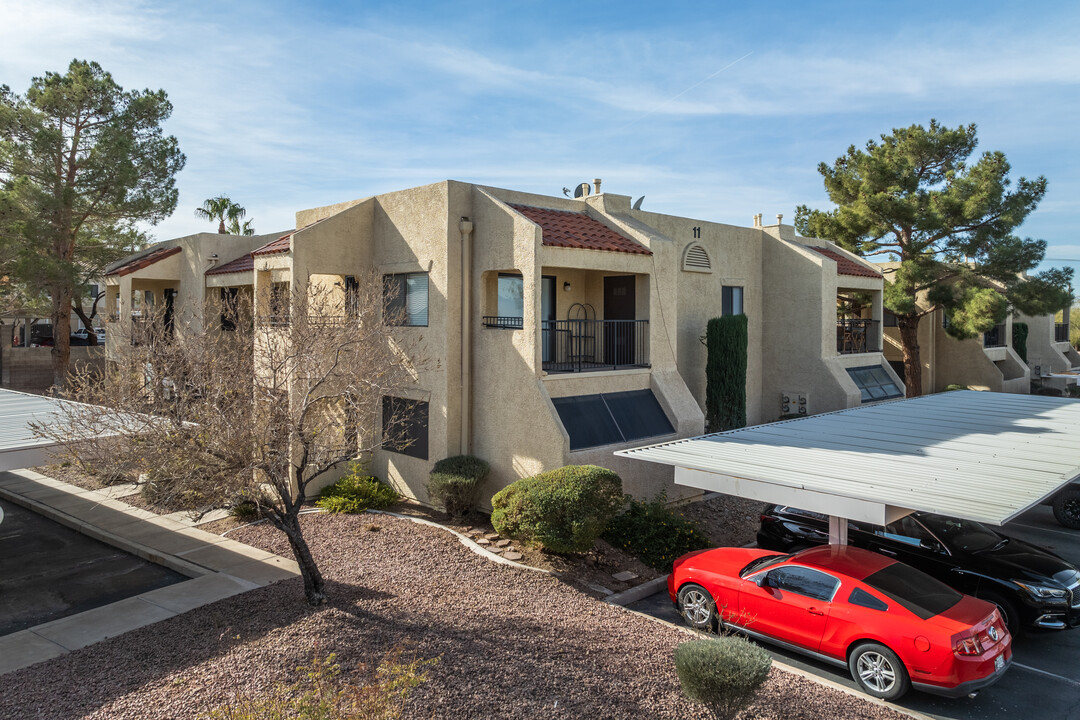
(931, 545)
(762, 580)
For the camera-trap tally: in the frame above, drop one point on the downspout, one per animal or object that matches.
(465, 226)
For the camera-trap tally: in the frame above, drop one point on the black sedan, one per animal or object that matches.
(1032, 587)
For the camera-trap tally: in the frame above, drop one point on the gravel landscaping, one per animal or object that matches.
(510, 643)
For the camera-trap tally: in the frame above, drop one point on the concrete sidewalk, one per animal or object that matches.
(218, 567)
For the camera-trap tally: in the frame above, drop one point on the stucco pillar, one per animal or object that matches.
(465, 226)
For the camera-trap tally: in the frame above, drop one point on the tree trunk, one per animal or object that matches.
(314, 585)
(91, 336)
(909, 341)
(61, 324)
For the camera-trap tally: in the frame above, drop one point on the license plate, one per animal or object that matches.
(999, 662)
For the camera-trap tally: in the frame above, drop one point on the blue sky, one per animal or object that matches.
(712, 110)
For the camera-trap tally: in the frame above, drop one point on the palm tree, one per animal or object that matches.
(235, 228)
(221, 208)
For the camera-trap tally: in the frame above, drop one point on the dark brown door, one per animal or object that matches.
(619, 309)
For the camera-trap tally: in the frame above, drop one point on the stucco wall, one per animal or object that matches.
(30, 368)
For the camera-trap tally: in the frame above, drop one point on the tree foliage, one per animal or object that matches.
(227, 214)
(915, 197)
(253, 415)
(726, 339)
(82, 163)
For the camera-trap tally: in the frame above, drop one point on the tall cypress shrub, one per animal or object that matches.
(1020, 336)
(725, 373)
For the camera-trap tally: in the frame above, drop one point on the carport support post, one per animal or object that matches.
(837, 530)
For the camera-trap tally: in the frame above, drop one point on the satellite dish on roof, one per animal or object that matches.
(637, 205)
(582, 190)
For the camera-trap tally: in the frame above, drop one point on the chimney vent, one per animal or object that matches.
(596, 185)
(779, 218)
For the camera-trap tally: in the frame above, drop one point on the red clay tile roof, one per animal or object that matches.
(241, 264)
(282, 244)
(846, 266)
(144, 261)
(563, 228)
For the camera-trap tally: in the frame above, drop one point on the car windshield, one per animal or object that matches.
(966, 535)
(761, 563)
(914, 589)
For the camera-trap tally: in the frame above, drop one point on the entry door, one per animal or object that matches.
(619, 309)
(170, 297)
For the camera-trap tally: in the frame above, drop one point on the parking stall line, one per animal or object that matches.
(1045, 673)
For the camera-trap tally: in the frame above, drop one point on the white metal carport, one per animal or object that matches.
(19, 448)
(975, 455)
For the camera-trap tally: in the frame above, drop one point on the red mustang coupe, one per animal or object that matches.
(891, 625)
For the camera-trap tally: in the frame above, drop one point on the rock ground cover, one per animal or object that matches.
(510, 643)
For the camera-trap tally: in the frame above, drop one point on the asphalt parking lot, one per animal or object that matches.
(1044, 680)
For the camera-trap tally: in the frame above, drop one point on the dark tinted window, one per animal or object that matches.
(864, 599)
(804, 581)
(804, 513)
(405, 426)
(731, 300)
(967, 535)
(593, 420)
(914, 589)
(874, 383)
(905, 530)
(406, 299)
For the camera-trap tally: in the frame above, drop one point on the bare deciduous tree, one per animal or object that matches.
(253, 407)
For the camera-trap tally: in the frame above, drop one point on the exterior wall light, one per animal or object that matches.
(566, 286)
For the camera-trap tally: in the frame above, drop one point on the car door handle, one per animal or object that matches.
(886, 551)
(815, 611)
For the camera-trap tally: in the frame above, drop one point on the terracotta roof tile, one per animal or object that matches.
(282, 244)
(846, 266)
(143, 261)
(563, 228)
(243, 263)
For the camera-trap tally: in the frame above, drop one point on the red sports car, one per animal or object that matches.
(891, 625)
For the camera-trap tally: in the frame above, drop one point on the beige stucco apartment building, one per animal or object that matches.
(563, 329)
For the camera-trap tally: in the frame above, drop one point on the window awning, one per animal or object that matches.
(975, 455)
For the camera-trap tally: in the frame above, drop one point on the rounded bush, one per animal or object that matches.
(356, 493)
(654, 533)
(721, 673)
(454, 483)
(563, 510)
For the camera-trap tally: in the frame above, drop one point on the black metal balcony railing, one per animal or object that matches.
(1061, 332)
(504, 323)
(857, 336)
(994, 337)
(591, 345)
(273, 320)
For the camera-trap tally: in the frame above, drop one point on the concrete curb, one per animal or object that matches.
(638, 592)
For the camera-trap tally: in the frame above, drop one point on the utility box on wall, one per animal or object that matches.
(794, 402)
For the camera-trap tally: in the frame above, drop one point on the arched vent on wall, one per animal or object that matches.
(696, 259)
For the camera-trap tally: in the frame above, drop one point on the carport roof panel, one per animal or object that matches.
(18, 444)
(977, 455)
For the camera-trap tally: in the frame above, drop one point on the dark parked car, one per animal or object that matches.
(1066, 504)
(1032, 587)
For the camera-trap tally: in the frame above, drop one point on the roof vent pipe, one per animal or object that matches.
(779, 218)
(596, 185)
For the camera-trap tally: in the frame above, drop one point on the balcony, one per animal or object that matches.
(593, 345)
(150, 330)
(857, 336)
(1061, 332)
(994, 337)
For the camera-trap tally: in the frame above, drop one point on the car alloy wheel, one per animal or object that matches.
(696, 606)
(878, 671)
(1067, 508)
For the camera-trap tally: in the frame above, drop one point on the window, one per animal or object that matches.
(405, 427)
(352, 297)
(279, 303)
(914, 589)
(906, 530)
(864, 599)
(406, 299)
(229, 298)
(731, 300)
(888, 319)
(804, 581)
(594, 420)
(511, 300)
(874, 383)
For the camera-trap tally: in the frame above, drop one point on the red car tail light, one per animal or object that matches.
(967, 644)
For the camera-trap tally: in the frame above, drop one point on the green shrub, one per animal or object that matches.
(356, 493)
(955, 386)
(455, 483)
(654, 534)
(245, 511)
(725, 373)
(722, 673)
(1020, 336)
(563, 510)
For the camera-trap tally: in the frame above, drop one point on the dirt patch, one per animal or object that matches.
(510, 643)
(728, 521)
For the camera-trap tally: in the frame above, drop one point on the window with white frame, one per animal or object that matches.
(405, 298)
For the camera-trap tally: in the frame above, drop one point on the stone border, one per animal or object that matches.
(218, 567)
